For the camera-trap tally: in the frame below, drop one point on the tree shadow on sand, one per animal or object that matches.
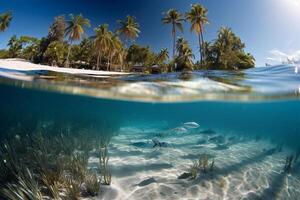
(276, 185)
(128, 170)
(218, 172)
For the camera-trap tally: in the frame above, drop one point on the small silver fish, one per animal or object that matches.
(190, 125)
(180, 129)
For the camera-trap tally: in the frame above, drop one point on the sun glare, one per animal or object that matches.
(294, 2)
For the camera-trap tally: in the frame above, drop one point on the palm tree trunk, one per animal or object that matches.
(202, 43)
(107, 67)
(174, 40)
(200, 49)
(69, 51)
(98, 60)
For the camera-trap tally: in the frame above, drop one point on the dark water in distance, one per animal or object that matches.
(243, 117)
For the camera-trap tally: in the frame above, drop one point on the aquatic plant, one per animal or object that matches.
(26, 187)
(104, 169)
(288, 163)
(203, 162)
(194, 170)
(72, 190)
(212, 165)
(222, 183)
(53, 189)
(92, 184)
(77, 166)
(201, 165)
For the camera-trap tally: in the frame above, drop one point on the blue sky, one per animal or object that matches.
(270, 28)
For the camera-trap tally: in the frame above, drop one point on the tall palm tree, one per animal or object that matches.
(198, 19)
(129, 28)
(174, 18)
(102, 41)
(75, 29)
(57, 29)
(5, 20)
(115, 49)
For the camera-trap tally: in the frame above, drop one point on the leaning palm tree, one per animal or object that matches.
(102, 40)
(129, 28)
(5, 20)
(162, 56)
(181, 44)
(175, 18)
(185, 54)
(198, 19)
(75, 30)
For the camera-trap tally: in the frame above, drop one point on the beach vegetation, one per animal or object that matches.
(102, 42)
(176, 20)
(129, 28)
(5, 19)
(56, 53)
(67, 44)
(227, 52)
(74, 30)
(197, 16)
(184, 58)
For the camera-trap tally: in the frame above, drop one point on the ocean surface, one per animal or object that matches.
(244, 124)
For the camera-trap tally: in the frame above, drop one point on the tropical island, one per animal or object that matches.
(67, 45)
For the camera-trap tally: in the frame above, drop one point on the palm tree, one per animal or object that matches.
(5, 20)
(129, 28)
(115, 47)
(118, 50)
(198, 19)
(102, 41)
(162, 56)
(185, 54)
(14, 46)
(75, 30)
(57, 29)
(181, 44)
(175, 18)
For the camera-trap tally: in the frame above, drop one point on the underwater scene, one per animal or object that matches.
(189, 135)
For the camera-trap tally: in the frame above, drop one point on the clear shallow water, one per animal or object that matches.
(265, 83)
(248, 122)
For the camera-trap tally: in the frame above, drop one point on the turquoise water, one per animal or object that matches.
(154, 127)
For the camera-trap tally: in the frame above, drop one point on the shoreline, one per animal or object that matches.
(24, 65)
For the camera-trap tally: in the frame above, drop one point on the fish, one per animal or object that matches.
(157, 143)
(191, 125)
(180, 129)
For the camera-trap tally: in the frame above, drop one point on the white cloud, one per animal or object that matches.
(277, 56)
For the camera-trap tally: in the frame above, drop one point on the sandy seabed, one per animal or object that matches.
(244, 169)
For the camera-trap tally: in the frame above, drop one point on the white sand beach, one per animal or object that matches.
(23, 65)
